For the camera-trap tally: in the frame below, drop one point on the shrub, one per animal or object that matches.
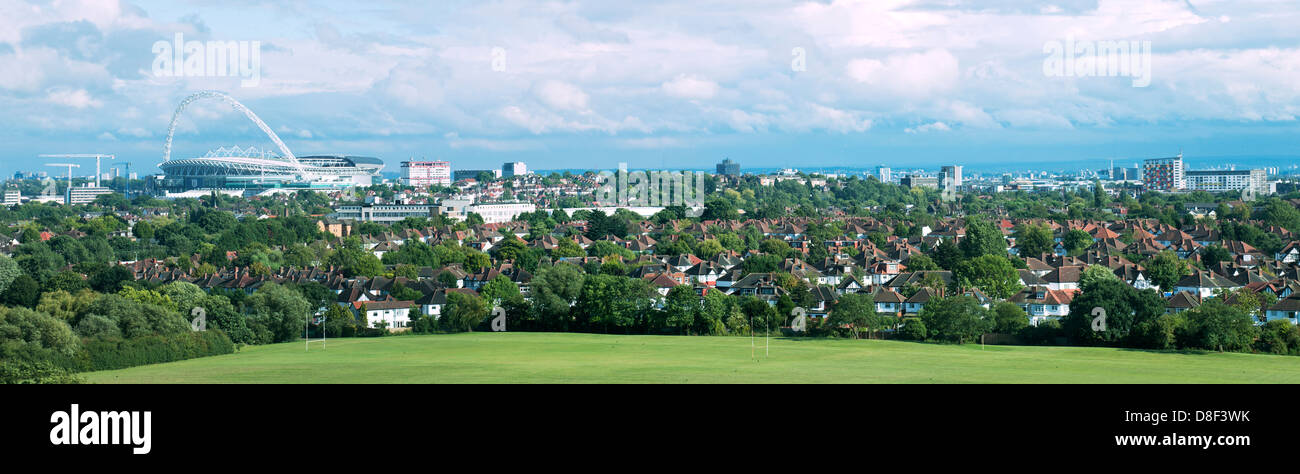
(913, 330)
(1279, 336)
(1045, 333)
(118, 353)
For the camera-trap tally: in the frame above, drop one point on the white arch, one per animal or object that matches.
(171, 129)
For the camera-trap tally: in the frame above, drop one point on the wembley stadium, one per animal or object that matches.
(252, 168)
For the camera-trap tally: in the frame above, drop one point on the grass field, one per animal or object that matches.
(591, 358)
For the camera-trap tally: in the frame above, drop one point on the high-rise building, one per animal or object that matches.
(85, 194)
(1227, 180)
(728, 168)
(917, 181)
(514, 168)
(952, 173)
(1121, 173)
(884, 174)
(1163, 174)
(426, 173)
(473, 174)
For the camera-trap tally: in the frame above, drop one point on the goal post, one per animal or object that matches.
(310, 321)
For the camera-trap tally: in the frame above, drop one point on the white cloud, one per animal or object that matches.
(561, 96)
(78, 99)
(910, 74)
(929, 127)
(686, 87)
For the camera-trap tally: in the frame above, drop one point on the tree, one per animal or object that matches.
(762, 316)
(1124, 308)
(852, 313)
(9, 271)
(509, 248)
(947, 255)
(1279, 336)
(463, 312)
(679, 309)
(1095, 273)
(554, 289)
(110, 280)
(1217, 326)
(709, 248)
(610, 303)
(1009, 318)
(403, 293)
(992, 274)
(714, 310)
(567, 248)
(982, 238)
(278, 312)
(24, 291)
(1033, 240)
(958, 319)
(1099, 197)
(339, 322)
(500, 288)
(1076, 241)
(1165, 269)
(921, 262)
(913, 329)
(1211, 255)
(719, 209)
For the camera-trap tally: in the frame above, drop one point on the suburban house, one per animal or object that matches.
(395, 313)
(431, 304)
(1042, 303)
(1286, 308)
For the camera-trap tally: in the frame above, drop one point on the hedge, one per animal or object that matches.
(117, 353)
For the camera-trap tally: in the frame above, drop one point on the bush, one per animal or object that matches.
(27, 372)
(1279, 336)
(118, 353)
(1046, 333)
(913, 330)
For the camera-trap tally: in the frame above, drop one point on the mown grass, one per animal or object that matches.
(593, 358)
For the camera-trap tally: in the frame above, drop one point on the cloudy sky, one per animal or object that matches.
(586, 84)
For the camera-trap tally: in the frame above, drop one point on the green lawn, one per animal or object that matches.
(591, 358)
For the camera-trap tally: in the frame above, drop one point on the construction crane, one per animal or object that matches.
(67, 198)
(127, 165)
(96, 156)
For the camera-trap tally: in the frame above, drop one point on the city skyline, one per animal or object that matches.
(585, 86)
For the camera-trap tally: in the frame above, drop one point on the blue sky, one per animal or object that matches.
(587, 84)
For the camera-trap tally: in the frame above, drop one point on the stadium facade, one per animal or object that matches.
(251, 168)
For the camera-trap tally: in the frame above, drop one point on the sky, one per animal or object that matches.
(664, 84)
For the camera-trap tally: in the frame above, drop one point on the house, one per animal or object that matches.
(848, 284)
(1064, 277)
(823, 300)
(1287, 308)
(395, 314)
(1204, 284)
(704, 273)
(1042, 303)
(1182, 301)
(1134, 276)
(914, 305)
(761, 285)
(431, 304)
(888, 301)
